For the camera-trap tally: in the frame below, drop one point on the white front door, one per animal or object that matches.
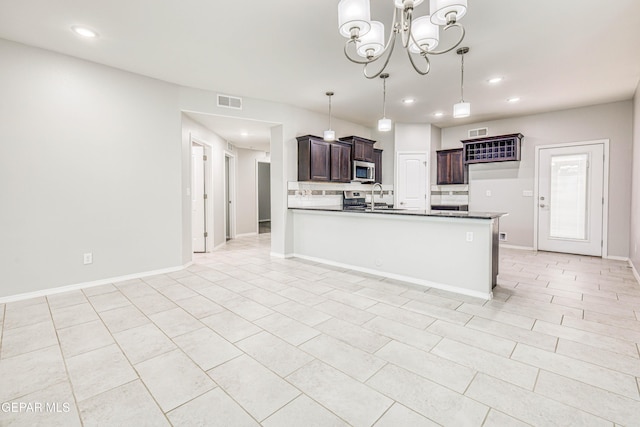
(411, 188)
(570, 199)
(198, 208)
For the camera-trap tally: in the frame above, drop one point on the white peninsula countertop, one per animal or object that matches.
(454, 251)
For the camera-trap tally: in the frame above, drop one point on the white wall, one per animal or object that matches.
(246, 190)
(634, 243)
(507, 180)
(90, 162)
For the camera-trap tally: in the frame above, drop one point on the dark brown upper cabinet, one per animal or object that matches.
(362, 148)
(451, 168)
(502, 148)
(319, 160)
(340, 161)
(377, 160)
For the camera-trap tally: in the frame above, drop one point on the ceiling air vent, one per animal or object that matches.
(227, 101)
(477, 133)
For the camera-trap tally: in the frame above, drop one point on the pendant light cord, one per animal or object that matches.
(330, 112)
(384, 98)
(462, 79)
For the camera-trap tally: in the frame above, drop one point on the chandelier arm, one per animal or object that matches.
(386, 62)
(440, 52)
(407, 20)
(415, 67)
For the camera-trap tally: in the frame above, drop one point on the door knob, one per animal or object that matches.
(542, 205)
(402, 203)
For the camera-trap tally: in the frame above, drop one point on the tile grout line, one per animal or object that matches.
(66, 367)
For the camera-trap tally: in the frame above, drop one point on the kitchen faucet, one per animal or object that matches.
(373, 192)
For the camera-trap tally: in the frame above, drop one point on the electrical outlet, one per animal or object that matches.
(469, 236)
(88, 258)
(488, 193)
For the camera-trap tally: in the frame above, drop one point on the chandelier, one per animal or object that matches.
(420, 36)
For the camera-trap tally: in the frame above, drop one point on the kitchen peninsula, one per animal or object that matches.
(453, 251)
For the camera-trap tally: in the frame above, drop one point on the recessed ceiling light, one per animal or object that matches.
(84, 31)
(495, 80)
(514, 99)
(408, 101)
(438, 114)
(244, 133)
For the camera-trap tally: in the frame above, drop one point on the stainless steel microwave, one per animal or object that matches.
(364, 171)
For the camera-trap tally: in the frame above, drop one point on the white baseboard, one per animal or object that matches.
(279, 255)
(246, 234)
(425, 283)
(616, 258)
(635, 272)
(520, 248)
(61, 289)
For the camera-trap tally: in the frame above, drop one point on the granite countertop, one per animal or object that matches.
(429, 213)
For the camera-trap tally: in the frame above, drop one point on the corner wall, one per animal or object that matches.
(634, 243)
(508, 180)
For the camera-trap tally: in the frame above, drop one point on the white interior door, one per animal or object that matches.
(198, 208)
(411, 188)
(570, 199)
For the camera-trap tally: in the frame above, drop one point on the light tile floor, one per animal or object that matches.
(243, 339)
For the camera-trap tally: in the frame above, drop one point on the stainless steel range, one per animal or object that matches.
(354, 201)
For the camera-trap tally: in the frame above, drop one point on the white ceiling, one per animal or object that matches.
(243, 133)
(553, 54)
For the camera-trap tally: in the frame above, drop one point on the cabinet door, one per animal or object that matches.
(443, 168)
(377, 160)
(340, 163)
(363, 151)
(319, 157)
(458, 168)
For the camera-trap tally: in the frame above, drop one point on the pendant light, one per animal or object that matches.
(384, 124)
(329, 134)
(462, 109)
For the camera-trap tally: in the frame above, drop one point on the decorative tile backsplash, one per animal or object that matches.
(449, 194)
(310, 194)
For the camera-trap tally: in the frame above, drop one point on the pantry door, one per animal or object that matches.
(570, 202)
(411, 178)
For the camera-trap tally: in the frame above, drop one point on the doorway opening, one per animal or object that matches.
(572, 198)
(263, 186)
(229, 195)
(200, 209)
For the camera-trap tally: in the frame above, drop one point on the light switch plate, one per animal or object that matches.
(469, 236)
(88, 258)
(527, 193)
(488, 193)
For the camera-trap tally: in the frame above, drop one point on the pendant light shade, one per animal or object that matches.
(444, 12)
(329, 134)
(384, 125)
(425, 34)
(354, 14)
(371, 43)
(461, 109)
